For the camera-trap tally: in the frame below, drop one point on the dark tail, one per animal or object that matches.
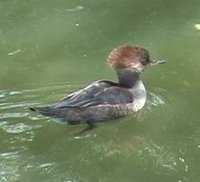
(33, 109)
(65, 114)
(47, 111)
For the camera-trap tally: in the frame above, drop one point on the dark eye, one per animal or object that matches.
(145, 58)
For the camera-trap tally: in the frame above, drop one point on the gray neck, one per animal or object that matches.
(128, 78)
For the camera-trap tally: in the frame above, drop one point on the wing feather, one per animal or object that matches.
(100, 92)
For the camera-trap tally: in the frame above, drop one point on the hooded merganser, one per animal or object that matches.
(107, 100)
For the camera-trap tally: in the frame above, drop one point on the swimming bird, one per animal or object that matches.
(105, 100)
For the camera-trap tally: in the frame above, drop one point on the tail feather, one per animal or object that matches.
(47, 111)
(70, 115)
(33, 109)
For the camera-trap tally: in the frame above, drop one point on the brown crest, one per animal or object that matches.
(128, 56)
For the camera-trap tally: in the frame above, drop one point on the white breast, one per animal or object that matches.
(139, 96)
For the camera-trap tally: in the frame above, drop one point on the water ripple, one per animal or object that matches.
(17, 128)
(155, 100)
(12, 105)
(15, 103)
(13, 115)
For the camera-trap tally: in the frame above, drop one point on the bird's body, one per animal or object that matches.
(102, 100)
(105, 100)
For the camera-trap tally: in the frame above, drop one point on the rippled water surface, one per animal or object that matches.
(50, 48)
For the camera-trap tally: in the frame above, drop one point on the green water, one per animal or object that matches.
(51, 48)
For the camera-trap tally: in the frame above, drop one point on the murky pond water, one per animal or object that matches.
(51, 48)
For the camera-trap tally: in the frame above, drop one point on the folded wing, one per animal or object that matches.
(98, 93)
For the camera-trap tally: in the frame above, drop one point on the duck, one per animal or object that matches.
(105, 100)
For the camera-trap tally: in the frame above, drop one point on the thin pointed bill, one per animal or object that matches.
(155, 62)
